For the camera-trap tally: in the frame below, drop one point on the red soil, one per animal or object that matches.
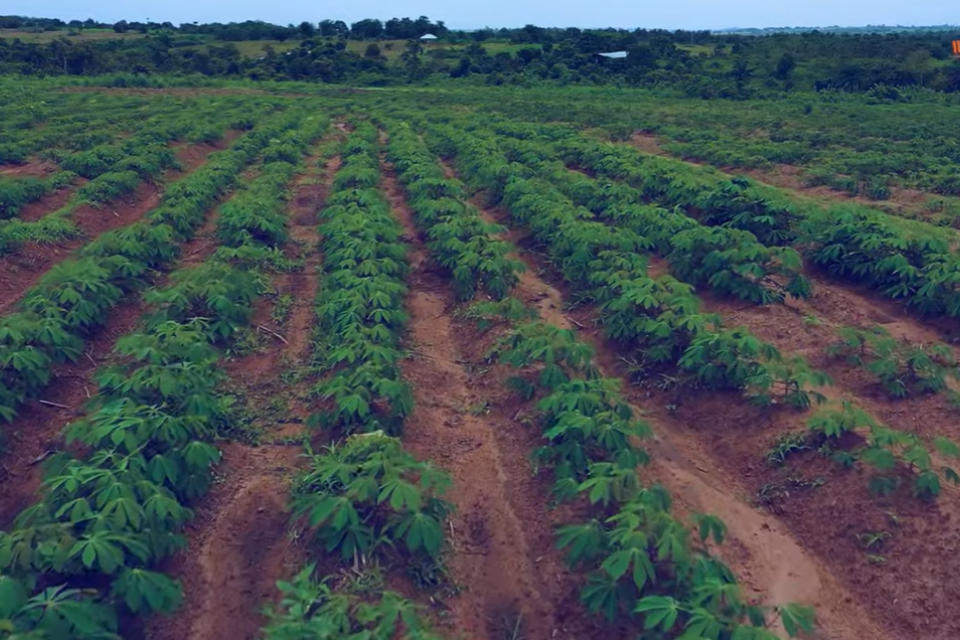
(23, 268)
(910, 589)
(36, 431)
(768, 556)
(36, 169)
(501, 533)
(239, 544)
(55, 201)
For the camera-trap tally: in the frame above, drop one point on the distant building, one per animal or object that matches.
(614, 55)
(429, 37)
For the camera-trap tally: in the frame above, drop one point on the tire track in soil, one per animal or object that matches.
(761, 550)
(911, 591)
(24, 267)
(238, 542)
(501, 531)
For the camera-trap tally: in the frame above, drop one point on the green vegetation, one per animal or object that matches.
(523, 126)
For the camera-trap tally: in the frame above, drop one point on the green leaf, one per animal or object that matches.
(797, 618)
(947, 447)
(146, 591)
(401, 494)
(582, 541)
(13, 595)
(658, 611)
(711, 525)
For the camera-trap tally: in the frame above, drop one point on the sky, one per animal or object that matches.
(671, 14)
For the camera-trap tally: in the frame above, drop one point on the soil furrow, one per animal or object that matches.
(36, 432)
(501, 531)
(239, 544)
(763, 552)
(905, 578)
(33, 211)
(24, 267)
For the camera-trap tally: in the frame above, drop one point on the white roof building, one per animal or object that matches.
(429, 36)
(614, 55)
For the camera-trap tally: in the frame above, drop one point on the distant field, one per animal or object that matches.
(85, 34)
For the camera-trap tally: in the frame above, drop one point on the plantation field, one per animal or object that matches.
(465, 363)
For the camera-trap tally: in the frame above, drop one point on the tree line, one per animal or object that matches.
(697, 63)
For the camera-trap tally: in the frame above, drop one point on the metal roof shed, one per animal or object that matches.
(429, 36)
(614, 55)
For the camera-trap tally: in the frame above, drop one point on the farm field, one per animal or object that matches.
(455, 363)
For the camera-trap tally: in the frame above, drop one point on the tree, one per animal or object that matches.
(411, 59)
(373, 51)
(785, 66)
(333, 29)
(306, 29)
(121, 27)
(368, 29)
(741, 71)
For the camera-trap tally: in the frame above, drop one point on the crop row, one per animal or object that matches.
(642, 558)
(15, 193)
(75, 297)
(106, 516)
(98, 124)
(360, 307)
(78, 127)
(903, 260)
(731, 261)
(115, 169)
(659, 321)
(364, 497)
(456, 234)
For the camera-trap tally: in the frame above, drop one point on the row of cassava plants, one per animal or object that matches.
(56, 123)
(731, 261)
(643, 560)
(16, 193)
(363, 497)
(460, 241)
(904, 260)
(360, 307)
(52, 135)
(76, 296)
(125, 178)
(902, 369)
(106, 516)
(645, 563)
(659, 319)
(114, 170)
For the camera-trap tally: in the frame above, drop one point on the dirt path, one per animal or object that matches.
(33, 211)
(501, 532)
(31, 169)
(239, 544)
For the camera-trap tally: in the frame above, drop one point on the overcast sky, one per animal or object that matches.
(693, 14)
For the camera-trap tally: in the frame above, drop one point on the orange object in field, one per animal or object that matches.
(956, 48)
